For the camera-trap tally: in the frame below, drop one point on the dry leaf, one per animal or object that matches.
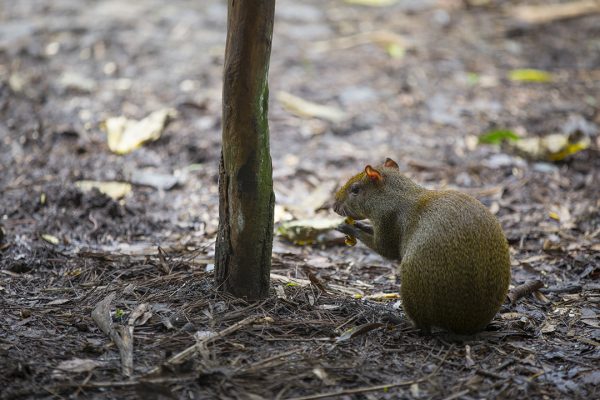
(382, 296)
(394, 44)
(140, 315)
(307, 231)
(57, 302)
(555, 147)
(468, 359)
(548, 327)
(357, 331)
(304, 108)
(280, 291)
(50, 239)
(157, 180)
(125, 135)
(544, 12)
(323, 376)
(113, 189)
(76, 365)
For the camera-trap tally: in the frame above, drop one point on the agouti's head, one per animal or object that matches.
(370, 191)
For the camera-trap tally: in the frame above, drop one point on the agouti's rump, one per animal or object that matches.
(455, 269)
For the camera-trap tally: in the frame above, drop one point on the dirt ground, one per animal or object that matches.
(433, 77)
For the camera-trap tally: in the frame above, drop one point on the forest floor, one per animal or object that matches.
(418, 81)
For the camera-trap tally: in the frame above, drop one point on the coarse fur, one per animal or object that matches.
(454, 258)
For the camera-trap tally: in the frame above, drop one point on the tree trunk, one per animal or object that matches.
(246, 199)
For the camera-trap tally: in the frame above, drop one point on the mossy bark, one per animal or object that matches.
(246, 199)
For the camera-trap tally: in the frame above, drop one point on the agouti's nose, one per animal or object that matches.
(337, 207)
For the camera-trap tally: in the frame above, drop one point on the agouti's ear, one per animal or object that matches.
(373, 174)
(389, 163)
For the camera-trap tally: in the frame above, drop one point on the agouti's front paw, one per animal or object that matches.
(346, 229)
(350, 232)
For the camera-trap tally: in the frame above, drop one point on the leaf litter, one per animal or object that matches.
(154, 249)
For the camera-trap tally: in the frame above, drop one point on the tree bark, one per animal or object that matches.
(246, 198)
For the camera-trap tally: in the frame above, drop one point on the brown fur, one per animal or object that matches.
(454, 260)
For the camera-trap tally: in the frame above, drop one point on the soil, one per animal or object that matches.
(68, 65)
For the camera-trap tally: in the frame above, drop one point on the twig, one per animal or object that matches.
(190, 351)
(524, 289)
(127, 383)
(457, 394)
(376, 387)
(490, 374)
(358, 390)
(562, 289)
(261, 363)
(123, 339)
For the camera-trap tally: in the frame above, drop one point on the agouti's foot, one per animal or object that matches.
(347, 229)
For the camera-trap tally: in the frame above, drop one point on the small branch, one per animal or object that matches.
(523, 290)
(190, 351)
(490, 374)
(123, 339)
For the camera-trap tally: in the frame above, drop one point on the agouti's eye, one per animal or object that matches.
(354, 189)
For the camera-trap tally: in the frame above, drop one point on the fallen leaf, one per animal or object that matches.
(543, 13)
(548, 327)
(530, 75)
(498, 136)
(554, 147)
(323, 376)
(154, 179)
(382, 296)
(125, 135)
(50, 239)
(57, 302)
(394, 44)
(280, 291)
(113, 189)
(304, 108)
(594, 323)
(468, 359)
(140, 315)
(76, 365)
(357, 331)
(307, 231)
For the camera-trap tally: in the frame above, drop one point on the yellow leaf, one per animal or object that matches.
(51, 239)
(554, 216)
(304, 108)
(570, 149)
(115, 190)
(530, 75)
(395, 50)
(383, 296)
(350, 240)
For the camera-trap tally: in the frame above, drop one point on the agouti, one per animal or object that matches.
(454, 260)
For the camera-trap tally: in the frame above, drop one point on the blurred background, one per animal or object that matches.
(462, 94)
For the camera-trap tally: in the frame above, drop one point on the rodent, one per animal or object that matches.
(454, 257)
